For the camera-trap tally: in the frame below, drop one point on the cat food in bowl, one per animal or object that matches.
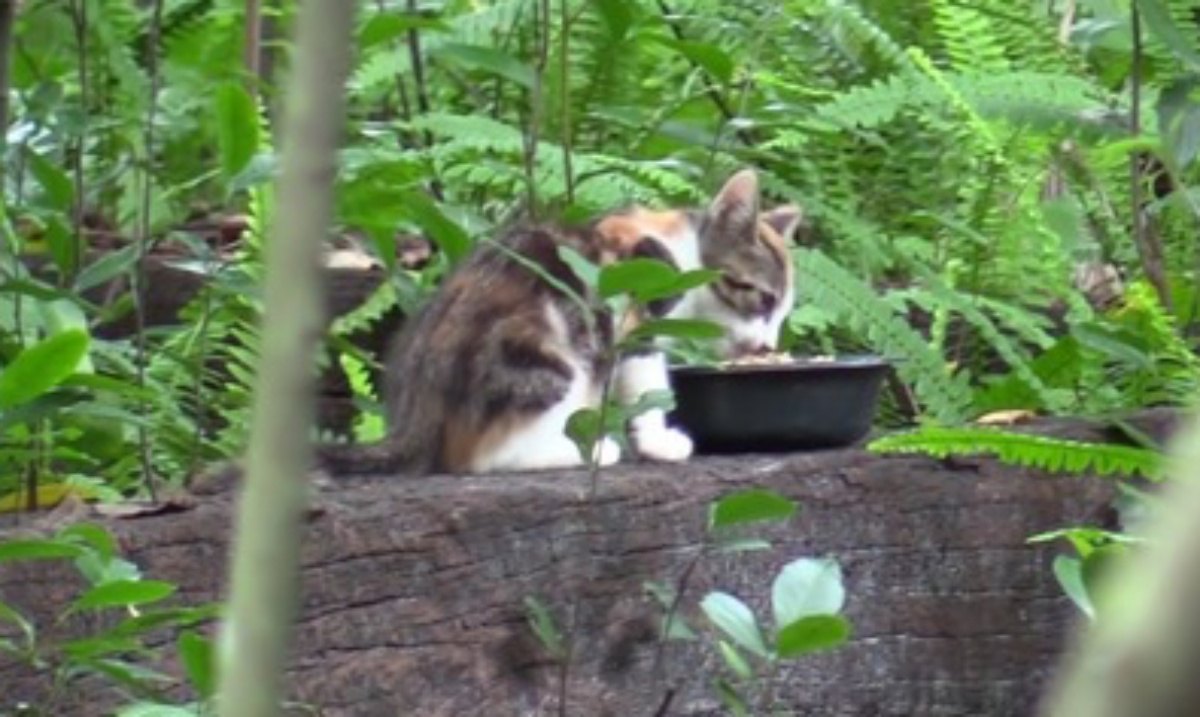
(778, 402)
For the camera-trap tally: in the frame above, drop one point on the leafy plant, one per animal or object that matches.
(118, 650)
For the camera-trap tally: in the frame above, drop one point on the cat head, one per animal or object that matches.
(756, 288)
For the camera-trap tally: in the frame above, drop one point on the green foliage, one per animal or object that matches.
(115, 649)
(1050, 454)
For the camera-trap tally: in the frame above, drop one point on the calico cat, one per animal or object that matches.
(486, 375)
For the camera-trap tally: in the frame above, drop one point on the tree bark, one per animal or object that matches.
(413, 590)
(265, 567)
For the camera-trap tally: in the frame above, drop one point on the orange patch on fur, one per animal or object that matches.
(622, 232)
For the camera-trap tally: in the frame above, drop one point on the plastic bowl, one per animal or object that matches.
(802, 404)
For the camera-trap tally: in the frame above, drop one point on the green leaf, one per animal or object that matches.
(237, 127)
(544, 627)
(806, 587)
(713, 59)
(648, 279)
(37, 550)
(93, 535)
(633, 275)
(9, 614)
(750, 506)
(382, 27)
(41, 367)
(587, 272)
(617, 16)
(486, 59)
(155, 618)
(196, 654)
(448, 235)
(1158, 20)
(60, 191)
(697, 329)
(1113, 342)
(1179, 120)
(585, 428)
(1069, 573)
(731, 698)
(120, 593)
(811, 634)
(735, 619)
(735, 661)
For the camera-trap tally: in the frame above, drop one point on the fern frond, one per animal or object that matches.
(1049, 454)
(945, 395)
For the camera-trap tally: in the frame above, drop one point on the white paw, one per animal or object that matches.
(608, 451)
(669, 445)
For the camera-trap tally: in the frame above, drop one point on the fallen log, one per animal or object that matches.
(413, 590)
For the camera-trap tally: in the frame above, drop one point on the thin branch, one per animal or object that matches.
(142, 239)
(8, 14)
(79, 23)
(710, 90)
(541, 25)
(422, 90)
(564, 96)
(252, 44)
(1148, 245)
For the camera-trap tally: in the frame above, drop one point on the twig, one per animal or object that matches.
(142, 237)
(8, 13)
(422, 91)
(564, 96)
(710, 89)
(252, 44)
(1148, 245)
(564, 665)
(541, 24)
(79, 22)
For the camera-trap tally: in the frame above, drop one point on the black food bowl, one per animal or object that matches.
(797, 404)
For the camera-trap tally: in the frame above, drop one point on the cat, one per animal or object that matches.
(485, 376)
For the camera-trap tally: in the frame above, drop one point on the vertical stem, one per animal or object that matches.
(79, 22)
(8, 14)
(252, 44)
(1149, 246)
(564, 94)
(541, 26)
(265, 565)
(422, 90)
(142, 239)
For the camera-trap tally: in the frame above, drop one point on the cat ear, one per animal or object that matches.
(736, 205)
(785, 220)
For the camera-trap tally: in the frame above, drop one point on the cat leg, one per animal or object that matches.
(638, 374)
(541, 443)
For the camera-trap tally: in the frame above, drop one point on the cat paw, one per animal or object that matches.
(608, 451)
(667, 445)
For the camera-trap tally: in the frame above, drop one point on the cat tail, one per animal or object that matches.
(351, 459)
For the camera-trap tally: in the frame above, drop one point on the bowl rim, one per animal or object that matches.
(801, 364)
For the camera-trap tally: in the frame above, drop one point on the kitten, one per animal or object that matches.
(486, 375)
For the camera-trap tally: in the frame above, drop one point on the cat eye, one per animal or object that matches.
(737, 284)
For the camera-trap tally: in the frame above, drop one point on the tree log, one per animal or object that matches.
(414, 589)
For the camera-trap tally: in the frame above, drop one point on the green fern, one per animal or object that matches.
(945, 395)
(1049, 454)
